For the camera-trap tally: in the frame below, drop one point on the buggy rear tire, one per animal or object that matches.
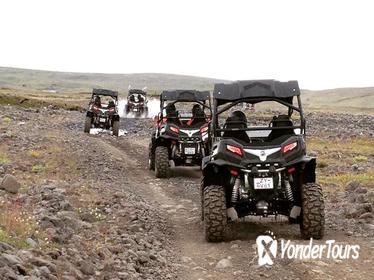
(215, 213)
(161, 162)
(151, 158)
(87, 124)
(312, 224)
(116, 128)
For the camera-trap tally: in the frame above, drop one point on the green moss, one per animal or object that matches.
(360, 159)
(38, 168)
(4, 159)
(7, 120)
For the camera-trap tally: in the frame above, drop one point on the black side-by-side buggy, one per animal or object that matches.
(259, 170)
(137, 102)
(103, 115)
(181, 138)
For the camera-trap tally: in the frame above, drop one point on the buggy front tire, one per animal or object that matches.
(115, 128)
(87, 124)
(312, 224)
(215, 213)
(161, 162)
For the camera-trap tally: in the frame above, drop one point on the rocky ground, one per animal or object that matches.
(78, 206)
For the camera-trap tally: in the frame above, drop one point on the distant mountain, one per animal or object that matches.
(340, 99)
(350, 98)
(75, 82)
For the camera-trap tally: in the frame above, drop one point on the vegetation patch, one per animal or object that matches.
(16, 225)
(360, 159)
(343, 179)
(358, 146)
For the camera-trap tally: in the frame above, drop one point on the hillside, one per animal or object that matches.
(352, 99)
(39, 83)
(76, 82)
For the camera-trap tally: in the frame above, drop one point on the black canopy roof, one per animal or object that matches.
(105, 92)
(255, 89)
(137, 91)
(185, 95)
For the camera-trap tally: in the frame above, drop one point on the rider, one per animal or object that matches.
(111, 104)
(171, 114)
(97, 101)
(198, 115)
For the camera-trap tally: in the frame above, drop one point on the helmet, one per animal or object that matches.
(97, 100)
(170, 108)
(239, 115)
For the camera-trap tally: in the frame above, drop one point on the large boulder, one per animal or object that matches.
(10, 184)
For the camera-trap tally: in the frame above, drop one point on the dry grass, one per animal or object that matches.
(51, 161)
(343, 179)
(358, 146)
(336, 157)
(27, 99)
(34, 154)
(4, 158)
(16, 225)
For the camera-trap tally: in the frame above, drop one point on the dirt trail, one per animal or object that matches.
(178, 196)
(150, 228)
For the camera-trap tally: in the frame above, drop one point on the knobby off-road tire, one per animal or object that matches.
(202, 198)
(215, 213)
(161, 162)
(312, 223)
(151, 158)
(115, 128)
(87, 125)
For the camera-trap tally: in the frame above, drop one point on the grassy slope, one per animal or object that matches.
(26, 82)
(76, 82)
(341, 99)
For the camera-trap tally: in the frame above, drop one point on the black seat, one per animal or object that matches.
(172, 117)
(281, 121)
(199, 118)
(235, 123)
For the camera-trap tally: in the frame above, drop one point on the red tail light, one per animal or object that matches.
(235, 150)
(289, 147)
(174, 129)
(204, 129)
(234, 172)
(291, 170)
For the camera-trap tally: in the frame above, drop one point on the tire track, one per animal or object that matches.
(178, 198)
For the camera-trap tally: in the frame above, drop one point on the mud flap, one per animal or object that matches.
(295, 212)
(232, 214)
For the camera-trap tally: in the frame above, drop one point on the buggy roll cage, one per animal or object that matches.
(176, 96)
(136, 91)
(256, 91)
(105, 92)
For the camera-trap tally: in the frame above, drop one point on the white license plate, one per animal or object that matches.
(263, 183)
(102, 119)
(189, 151)
(135, 109)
